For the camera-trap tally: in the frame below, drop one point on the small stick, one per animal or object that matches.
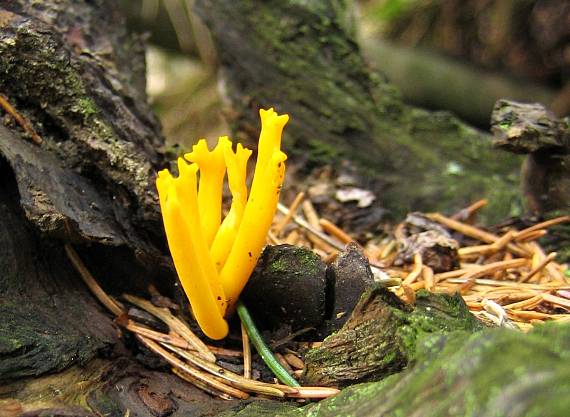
(175, 325)
(427, 274)
(93, 285)
(469, 211)
(472, 231)
(311, 215)
(494, 267)
(491, 282)
(335, 231)
(205, 378)
(543, 225)
(154, 335)
(200, 385)
(551, 268)
(311, 229)
(527, 304)
(314, 392)
(246, 353)
(529, 315)
(539, 267)
(292, 209)
(412, 276)
(228, 377)
(21, 120)
(534, 235)
(553, 299)
(228, 353)
(290, 337)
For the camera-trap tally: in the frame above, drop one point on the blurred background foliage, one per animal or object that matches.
(456, 55)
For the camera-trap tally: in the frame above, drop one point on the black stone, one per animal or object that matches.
(287, 288)
(348, 277)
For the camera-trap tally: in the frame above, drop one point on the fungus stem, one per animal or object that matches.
(262, 349)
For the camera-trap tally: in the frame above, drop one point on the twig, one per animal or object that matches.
(539, 267)
(229, 377)
(412, 276)
(311, 215)
(335, 231)
(200, 385)
(562, 302)
(290, 337)
(543, 225)
(195, 373)
(154, 335)
(229, 353)
(262, 348)
(314, 392)
(287, 218)
(88, 279)
(21, 120)
(246, 353)
(427, 274)
(472, 231)
(525, 304)
(495, 283)
(469, 211)
(174, 323)
(301, 222)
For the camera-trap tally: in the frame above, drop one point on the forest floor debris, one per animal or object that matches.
(505, 278)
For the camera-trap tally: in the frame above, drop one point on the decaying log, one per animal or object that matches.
(379, 339)
(78, 149)
(74, 73)
(302, 58)
(492, 372)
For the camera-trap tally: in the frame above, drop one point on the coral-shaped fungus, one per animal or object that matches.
(214, 258)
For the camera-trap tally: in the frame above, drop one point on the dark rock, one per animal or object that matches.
(287, 288)
(348, 277)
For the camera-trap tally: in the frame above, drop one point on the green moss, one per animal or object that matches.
(496, 372)
(313, 70)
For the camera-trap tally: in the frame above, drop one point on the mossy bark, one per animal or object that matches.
(380, 337)
(302, 58)
(70, 69)
(494, 372)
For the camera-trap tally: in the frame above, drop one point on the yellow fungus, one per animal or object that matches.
(237, 171)
(212, 170)
(260, 208)
(214, 258)
(198, 276)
